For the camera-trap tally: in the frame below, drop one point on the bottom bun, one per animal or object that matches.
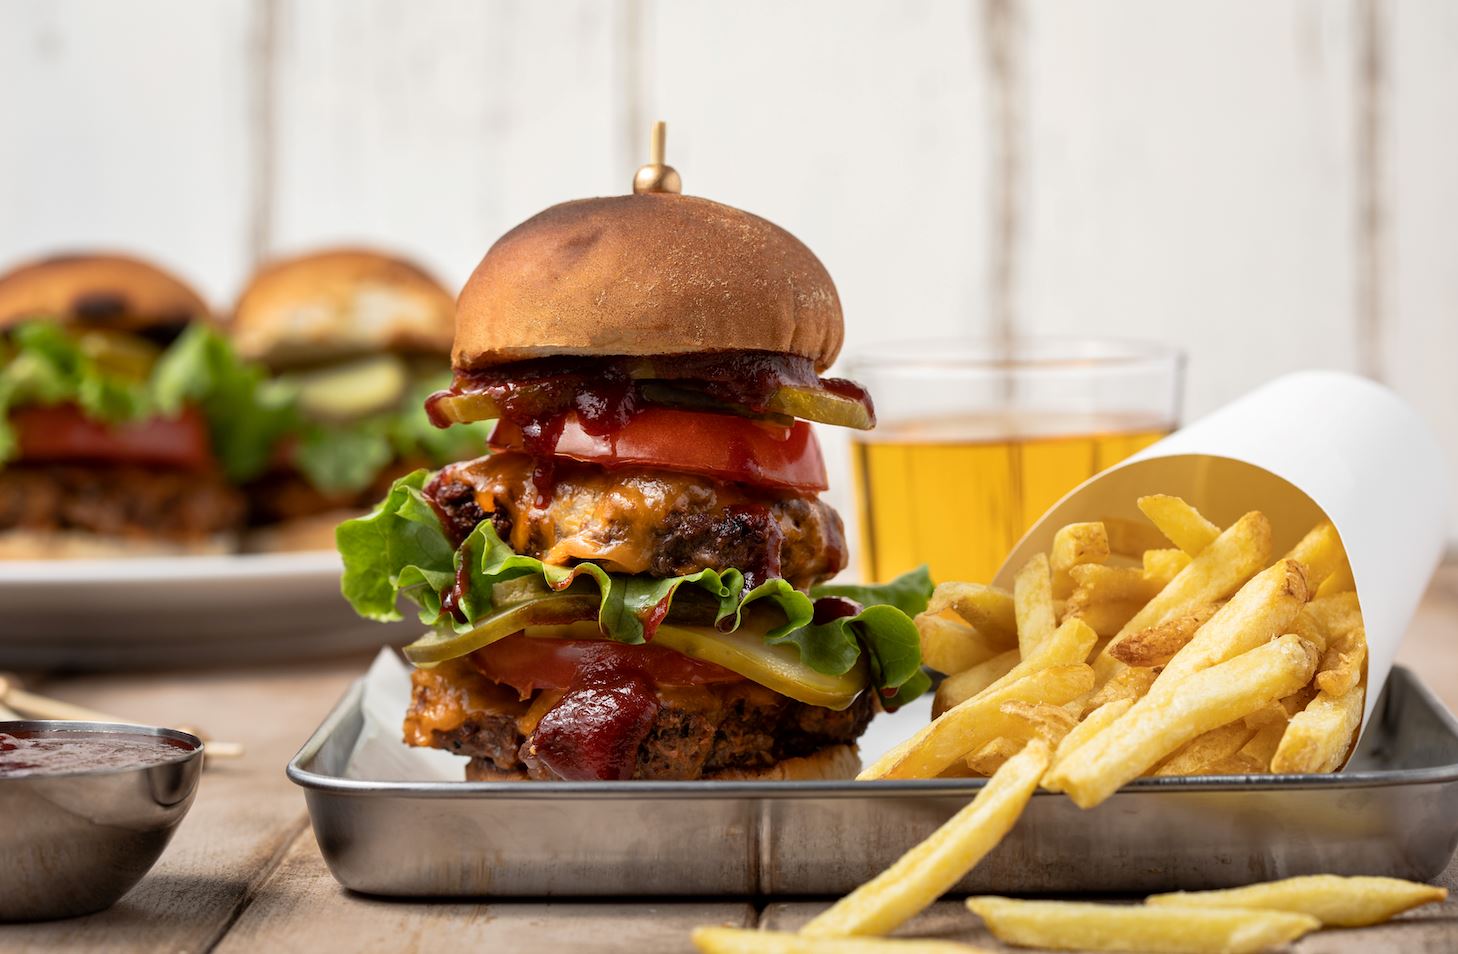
(304, 533)
(76, 545)
(834, 763)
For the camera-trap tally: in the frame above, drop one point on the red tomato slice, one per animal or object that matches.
(723, 446)
(527, 663)
(63, 433)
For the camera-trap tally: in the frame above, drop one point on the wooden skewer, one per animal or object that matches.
(19, 703)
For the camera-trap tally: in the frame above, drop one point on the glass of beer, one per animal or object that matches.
(976, 439)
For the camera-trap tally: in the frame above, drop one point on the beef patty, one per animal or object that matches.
(696, 732)
(643, 521)
(118, 501)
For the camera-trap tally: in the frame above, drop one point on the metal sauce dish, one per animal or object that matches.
(76, 839)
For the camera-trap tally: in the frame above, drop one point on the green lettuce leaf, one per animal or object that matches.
(246, 416)
(401, 549)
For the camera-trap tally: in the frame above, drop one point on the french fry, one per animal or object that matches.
(1341, 581)
(1309, 628)
(1040, 720)
(1221, 568)
(1033, 605)
(988, 759)
(987, 608)
(967, 727)
(931, 868)
(1131, 538)
(1079, 925)
(1161, 722)
(1254, 758)
(1094, 583)
(1321, 552)
(1092, 724)
(1262, 608)
(1106, 619)
(1340, 668)
(1319, 736)
(959, 687)
(1333, 900)
(1158, 644)
(1163, 565)
(725, 940)
(1131, 683)
(1204, 752)
(1182, 524)
(950, 644)
(1074, 545)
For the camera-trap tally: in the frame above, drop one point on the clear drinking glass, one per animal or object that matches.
(976, 439)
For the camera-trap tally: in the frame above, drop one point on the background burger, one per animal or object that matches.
(356, 340)
(631, 585)
(123, 414)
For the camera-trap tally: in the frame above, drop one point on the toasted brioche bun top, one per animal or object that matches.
(339, 303)
(101, 290)
(644, 275)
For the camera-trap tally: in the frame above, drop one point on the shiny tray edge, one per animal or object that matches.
(706, 790)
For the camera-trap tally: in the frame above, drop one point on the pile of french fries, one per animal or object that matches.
(1174, 647)
(1168, 648)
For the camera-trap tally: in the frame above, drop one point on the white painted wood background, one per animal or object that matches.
(1272, 185)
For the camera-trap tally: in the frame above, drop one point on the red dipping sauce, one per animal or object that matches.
(63, 752)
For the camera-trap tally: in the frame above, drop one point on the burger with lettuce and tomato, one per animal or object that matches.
(126, 421)
(632, 584)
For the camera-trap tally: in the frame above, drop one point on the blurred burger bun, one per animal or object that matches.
(340, 303)
(77, 545)
(314, 532)
(646, 274)
(104, 290)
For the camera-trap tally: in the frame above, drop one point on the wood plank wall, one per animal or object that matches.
(1269, 184)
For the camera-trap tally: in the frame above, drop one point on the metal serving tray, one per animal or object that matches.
(1393, 812)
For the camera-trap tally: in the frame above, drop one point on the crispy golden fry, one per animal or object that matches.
(1341, 581)
(1033, 605)
(1261, 609)
(1309, 628)
(1254, 758)
(1079, 925)
(1163, 565)
(1221, 568)
(1342, 664)
(1094, 583)
(1185, 526)
(1157, 645)
(1333, 900)
(1040, 720)
(724, 940)
(1106, 619)
(1092, 724)
(1320, 736)
(991, 757)
(1321, 552)
(1204, 752)
(1130, 683)
(931, 868)
(1272, 713)
(950, 644)
(1131, 538)
(1073, 545)
(967, 727)
(960, 687)
(1161, 722)
(987, 608)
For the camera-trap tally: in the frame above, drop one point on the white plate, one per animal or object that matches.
(180, 610)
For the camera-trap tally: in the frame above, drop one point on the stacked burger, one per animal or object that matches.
(126, 422)
(631, 585)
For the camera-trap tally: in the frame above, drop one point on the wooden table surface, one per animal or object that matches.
(244, 872)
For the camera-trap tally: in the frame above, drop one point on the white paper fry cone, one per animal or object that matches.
(1304, 445)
